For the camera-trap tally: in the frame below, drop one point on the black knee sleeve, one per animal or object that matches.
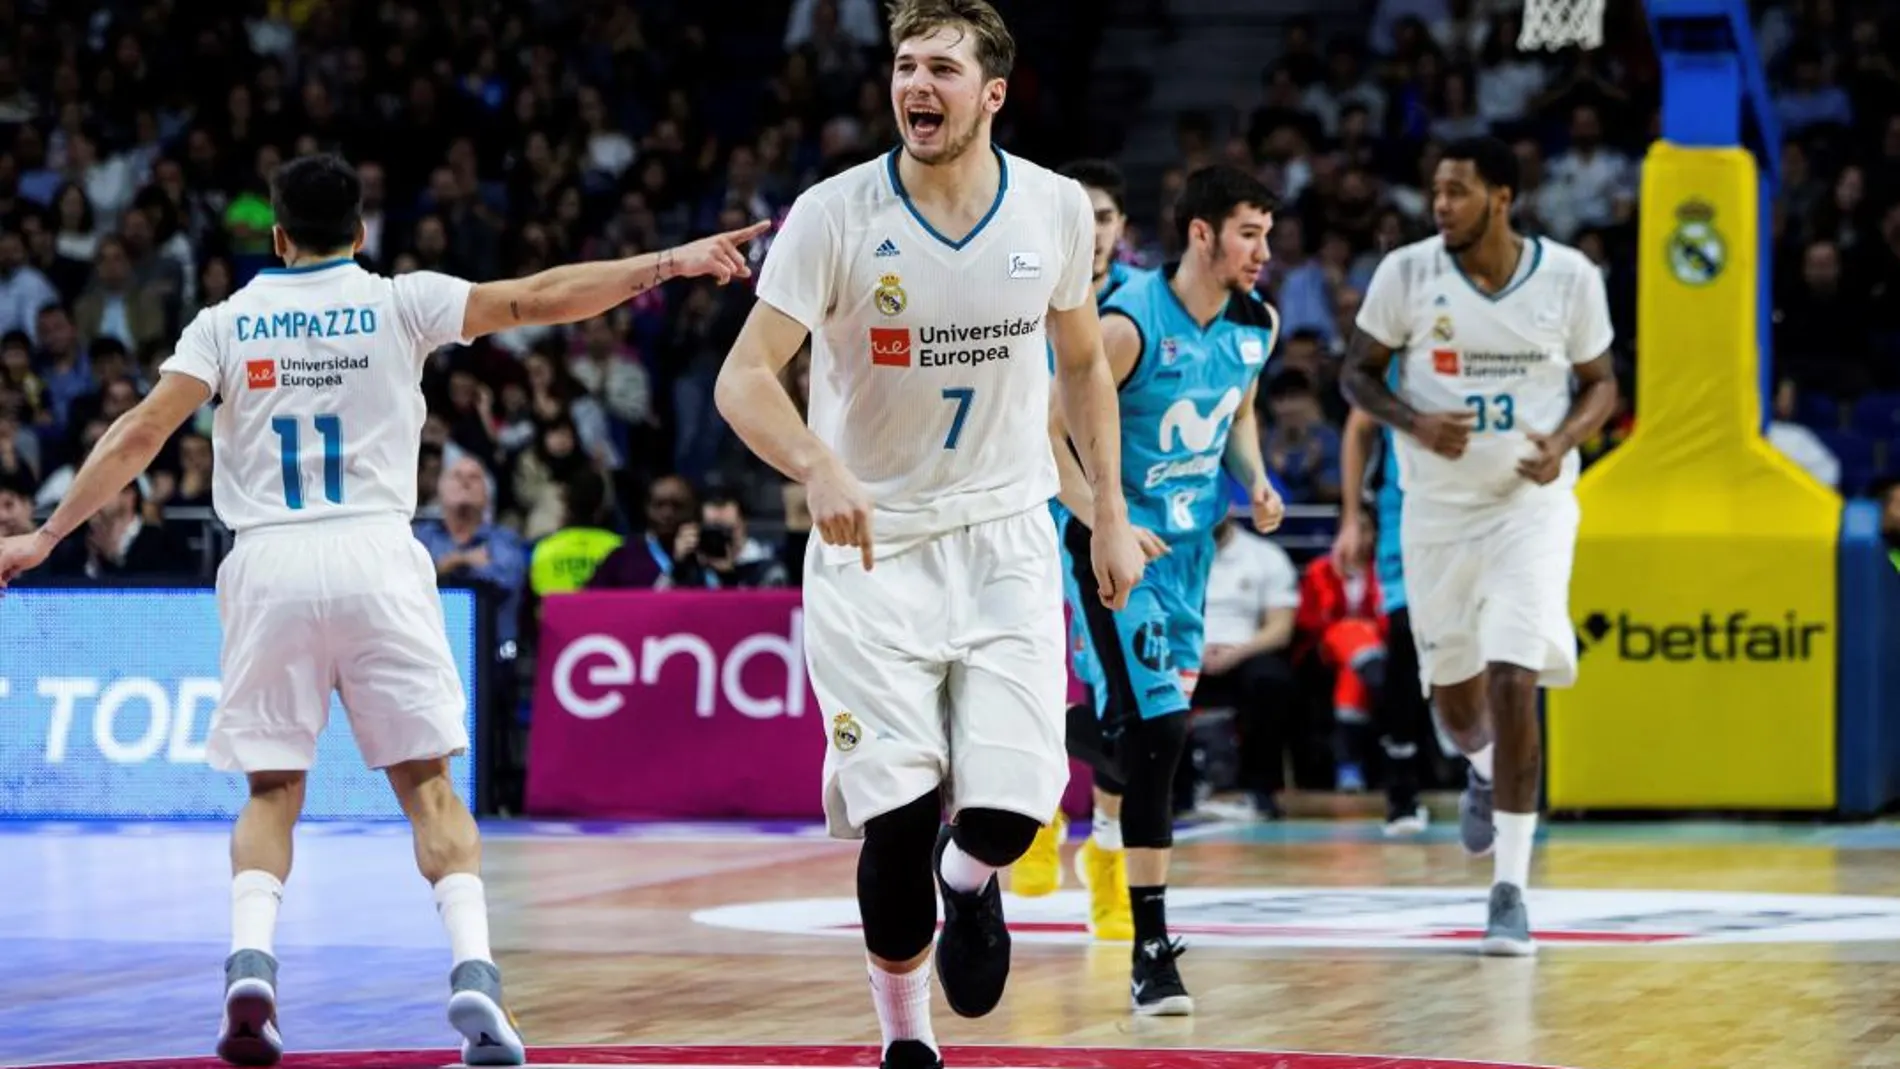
(1151, 751)
(897, 891)
(1086, 744)
(993, 836)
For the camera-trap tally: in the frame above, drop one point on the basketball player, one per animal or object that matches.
(318, 367)
(1492, 327)
(933, 597)
(1186, 346)
(1100, 863)
(1369, 469)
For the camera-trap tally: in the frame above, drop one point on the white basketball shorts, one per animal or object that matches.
(342, 606)
(1500, 596)
(943, 665)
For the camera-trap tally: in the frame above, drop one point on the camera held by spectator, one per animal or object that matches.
(716, 553)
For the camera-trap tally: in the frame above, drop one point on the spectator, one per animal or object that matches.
(16, 503)
(1252, 598)
(61, 362)
(717, 553)
(190, 486)
(53, 490)
(566, 560)
(1597, 182)
(470, 549)
(1797, 442)
(1342, 633)
(120, 544)
(112, 307)
(646, 560)
(24, 289)
(1301, 448)
(1811, 98)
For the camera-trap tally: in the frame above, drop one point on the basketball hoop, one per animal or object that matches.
(1555, 24)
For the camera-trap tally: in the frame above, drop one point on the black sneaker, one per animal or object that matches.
(1405, 815)
(910, 1054)
(973, 948)
(1156, 983)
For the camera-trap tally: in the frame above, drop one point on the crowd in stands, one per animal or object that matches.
(496, 139)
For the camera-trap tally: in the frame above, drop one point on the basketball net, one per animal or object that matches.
(1556, 24)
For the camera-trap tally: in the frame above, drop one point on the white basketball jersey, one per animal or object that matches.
(930, 373)
(1504, 358)
(318, 371)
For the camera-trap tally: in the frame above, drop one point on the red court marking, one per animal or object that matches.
(843, 1058)
(1286, 931)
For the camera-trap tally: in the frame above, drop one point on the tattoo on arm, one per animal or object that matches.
(514, 309)
(1363, 381)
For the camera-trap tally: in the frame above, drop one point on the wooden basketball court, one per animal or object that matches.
(1680, 946)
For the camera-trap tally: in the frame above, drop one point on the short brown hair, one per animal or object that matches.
(995, 48)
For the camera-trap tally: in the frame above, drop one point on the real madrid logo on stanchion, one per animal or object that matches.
(1695, 250)
(890, 295)
(845, 733)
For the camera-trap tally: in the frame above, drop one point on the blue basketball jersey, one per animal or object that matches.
(1179, 402)
(1389, 501)
(1081, 659)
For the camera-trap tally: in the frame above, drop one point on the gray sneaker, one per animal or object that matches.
(1475, 827)
(489, 1035)
(248, 1035)
(1507, 932)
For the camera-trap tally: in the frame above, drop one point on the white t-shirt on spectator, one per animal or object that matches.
(1805, 448)
(320, 372)
(1251, 577)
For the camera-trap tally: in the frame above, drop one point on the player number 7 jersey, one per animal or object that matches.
(929, 377)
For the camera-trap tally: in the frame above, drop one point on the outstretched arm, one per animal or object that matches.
(126, 450)
(573, 292)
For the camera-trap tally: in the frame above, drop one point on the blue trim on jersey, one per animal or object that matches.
(1537, 257)
(308, 268)
(1002, 188)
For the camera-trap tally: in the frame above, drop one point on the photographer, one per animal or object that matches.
(716, 554)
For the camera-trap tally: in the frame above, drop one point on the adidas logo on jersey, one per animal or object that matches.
(887, 248)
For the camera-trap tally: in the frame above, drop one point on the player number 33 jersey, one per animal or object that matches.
(1505, 358)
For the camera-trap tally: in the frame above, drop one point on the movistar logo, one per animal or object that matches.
(1183, 423)
(1711, 636)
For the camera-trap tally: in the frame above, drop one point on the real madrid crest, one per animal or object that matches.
(845, 732)
(1695, 249)
(889, 295)
(1441, 328)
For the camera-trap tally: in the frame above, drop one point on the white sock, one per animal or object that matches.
(254, 898)
(963, 872)
(1513, 858)
(1108, 830)
(464, 911)
(1482, 762)
(903, 1004)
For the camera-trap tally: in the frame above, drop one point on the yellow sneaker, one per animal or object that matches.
(1039, 871)
(1105, 874)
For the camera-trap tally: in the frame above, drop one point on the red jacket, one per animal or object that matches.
(1323, 603)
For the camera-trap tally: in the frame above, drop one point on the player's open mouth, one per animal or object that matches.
(923, 121)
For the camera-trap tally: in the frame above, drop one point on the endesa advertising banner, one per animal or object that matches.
(674, 704)
(106, 699)
(684, 705)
